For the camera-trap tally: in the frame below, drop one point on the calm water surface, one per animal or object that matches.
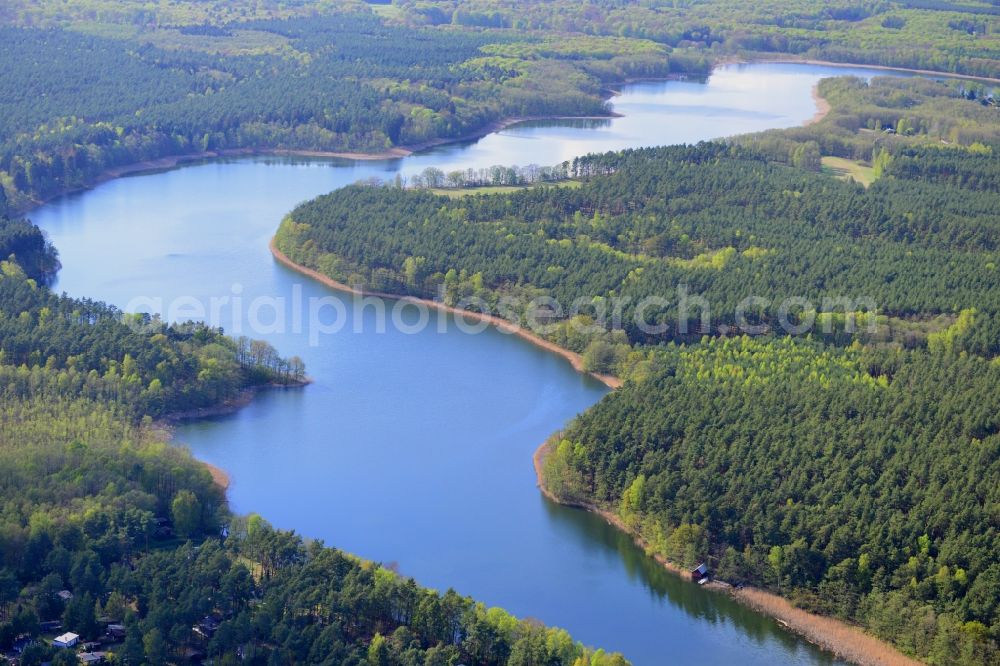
(416, 449)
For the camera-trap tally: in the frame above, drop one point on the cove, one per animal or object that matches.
(415, 449)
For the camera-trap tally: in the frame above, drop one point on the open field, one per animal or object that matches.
(457, 192)
(849, 169)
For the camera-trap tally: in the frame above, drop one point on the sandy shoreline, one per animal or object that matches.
(844, 640)
(219, 475)
(822, 107)
(539, 458)
(501, 324)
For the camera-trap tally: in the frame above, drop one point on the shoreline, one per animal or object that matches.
(504, 326)
(843, 640)
(788, 60)
(219, 475)
(173, 161)
(231, 406)
(779, 608)
(399, 152)
(834, 636)
(823, 107)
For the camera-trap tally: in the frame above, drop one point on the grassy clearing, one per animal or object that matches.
(238, 43)
(458, 192)
(387, 11)
(845, 169)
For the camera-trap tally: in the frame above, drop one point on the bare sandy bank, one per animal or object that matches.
(501, 324)
(822, 107)
(844, 640)
(218, 475)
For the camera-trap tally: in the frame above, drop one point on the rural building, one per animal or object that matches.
(700, 572)
(207, 627)
(67, 640)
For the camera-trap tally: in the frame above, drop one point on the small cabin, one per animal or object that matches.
(700, 573)
(67, 640)
(22, 643)
(87, 658)
(207, 627)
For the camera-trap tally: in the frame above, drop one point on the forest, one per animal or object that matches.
(337, 82)
(106, 527)
(353, 77)
(850, 468)
(753, 217)
(99, 506)
(938, 35)
(824, 465)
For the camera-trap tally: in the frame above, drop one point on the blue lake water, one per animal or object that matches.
(416, 448)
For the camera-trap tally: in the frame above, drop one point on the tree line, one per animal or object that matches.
(341, 81)
(853, 472)
(104, 522)
(724, 221)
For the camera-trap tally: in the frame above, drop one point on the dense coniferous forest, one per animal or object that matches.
(350, 77)
(860, 483)
(852, 471)
(725, 221)
(336, 82)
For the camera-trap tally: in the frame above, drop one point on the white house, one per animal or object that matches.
(67, 640)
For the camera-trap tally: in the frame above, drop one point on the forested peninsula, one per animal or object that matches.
(849, 467)
(110, 532)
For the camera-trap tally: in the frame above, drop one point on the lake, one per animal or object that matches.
(415, 449)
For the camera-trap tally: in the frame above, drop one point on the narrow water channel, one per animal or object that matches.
(416, 448)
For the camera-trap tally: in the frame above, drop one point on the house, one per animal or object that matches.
(67, 640)
(65, 595)
(207, 627)
(116, 631)
(700, 573)
(49, 626)
(92, 657)
(22, 642)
